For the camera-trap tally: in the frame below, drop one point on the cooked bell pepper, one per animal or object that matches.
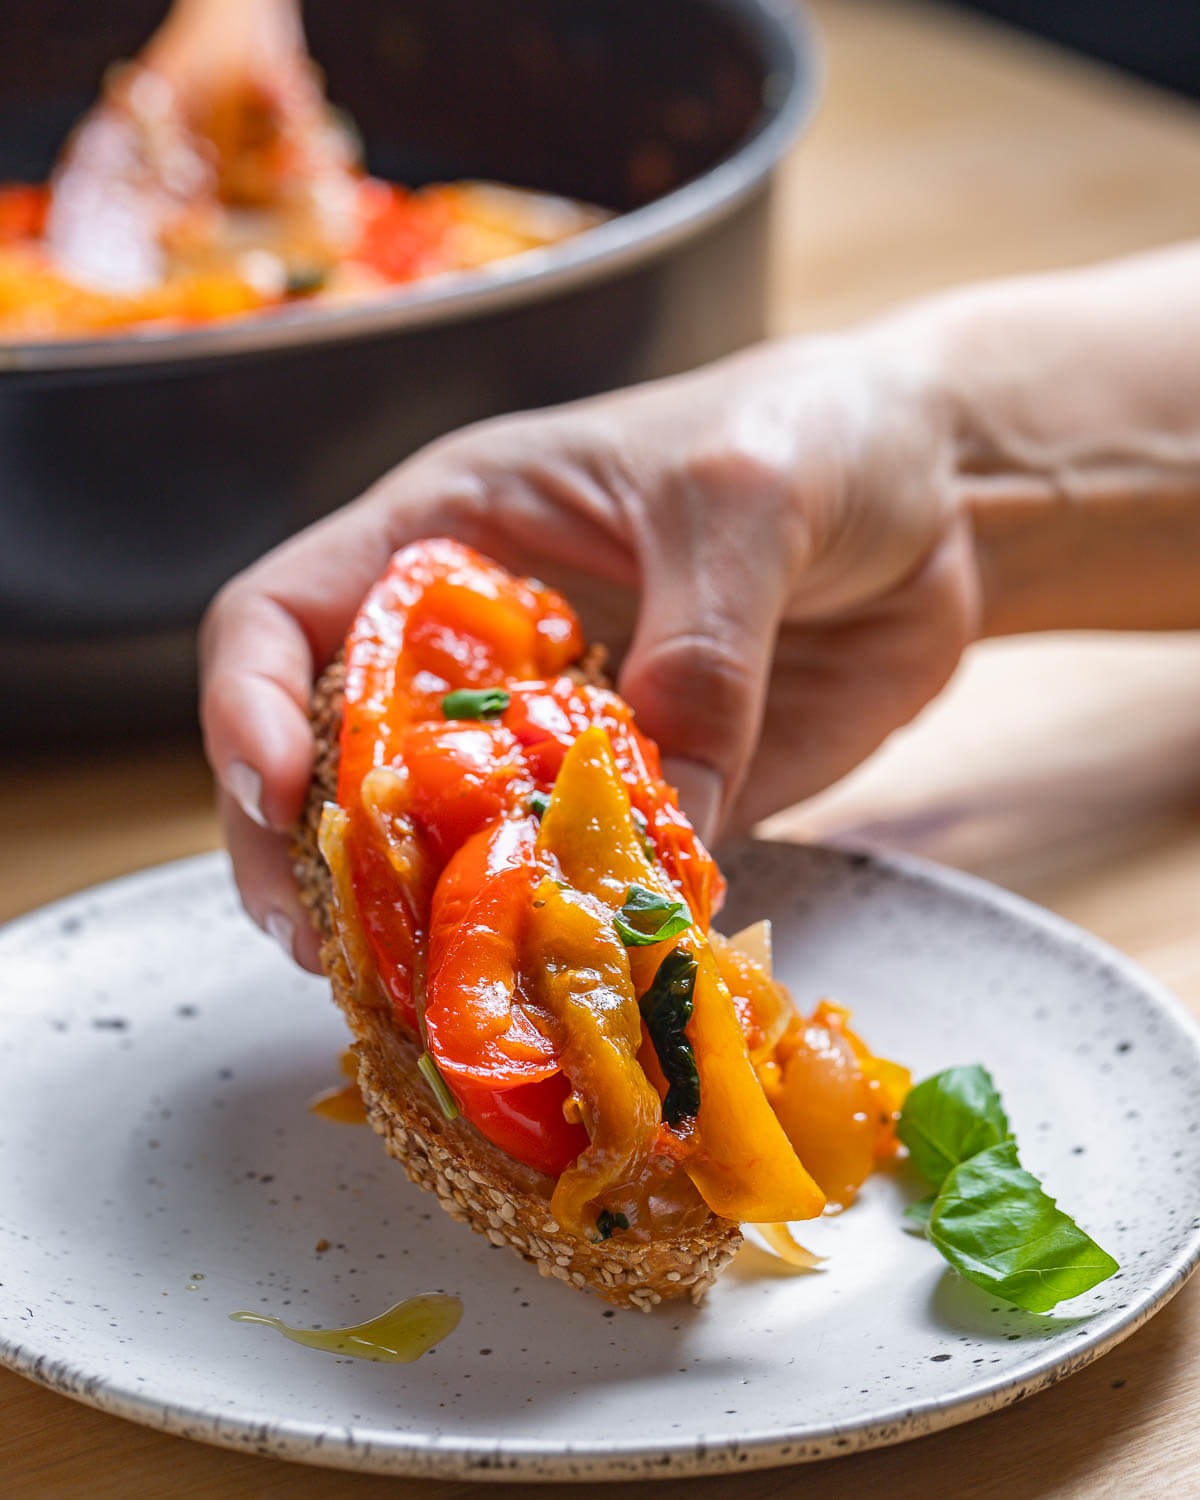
(738, 1155)
(581, 973)
(501, 824)
(836, 1101)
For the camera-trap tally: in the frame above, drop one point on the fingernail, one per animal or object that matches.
(245, 785)
(701, 792)
(282, 929)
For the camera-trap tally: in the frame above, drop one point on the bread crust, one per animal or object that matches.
(475, 1182)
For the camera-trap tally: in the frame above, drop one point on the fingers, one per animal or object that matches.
(713, 590)
(257, 675)
(265, 636)
(263, 870)
(839, 689)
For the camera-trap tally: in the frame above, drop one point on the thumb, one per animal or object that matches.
(697, 670)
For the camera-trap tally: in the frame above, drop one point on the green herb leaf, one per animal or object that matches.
(642, 825)
(607, 1221)
(990, 1218)
(666, 1009)
(475, 703)
(950, 1117)
(647, 918)
(918, 1213)
(993, 1223)
(437, 1083)
(538, 803)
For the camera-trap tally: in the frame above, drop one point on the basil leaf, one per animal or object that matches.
(666, 1009)
(475, 703)
(606, 1222)
(994, 1223)
(538, 803)
(918, 1213)
(950, 1117)
(647, 918)
(441, 1091)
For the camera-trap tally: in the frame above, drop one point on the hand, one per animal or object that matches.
(770, 547)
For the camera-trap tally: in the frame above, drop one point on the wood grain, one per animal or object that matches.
(1068, 769)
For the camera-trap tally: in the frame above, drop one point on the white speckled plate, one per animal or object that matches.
(159, 1169)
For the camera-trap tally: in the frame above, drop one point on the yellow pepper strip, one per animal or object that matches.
(331, 838)
(581, 978)
(740, 1159)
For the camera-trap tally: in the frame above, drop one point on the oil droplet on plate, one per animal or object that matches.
(398, 1336)
(344, 1102)
(345, 1105)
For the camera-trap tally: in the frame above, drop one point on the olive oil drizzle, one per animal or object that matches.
(398, 1336)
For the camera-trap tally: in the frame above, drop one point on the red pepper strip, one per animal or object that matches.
(462, 777)
(442, 617)
(394, 929)
(480, 1025)
(527, 1122)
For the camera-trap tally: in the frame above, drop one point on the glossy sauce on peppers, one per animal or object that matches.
(443, 619)
(490, 840)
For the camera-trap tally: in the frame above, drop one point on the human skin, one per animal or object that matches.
(786, 552)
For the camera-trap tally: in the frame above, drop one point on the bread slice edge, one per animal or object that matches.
(475, 1182)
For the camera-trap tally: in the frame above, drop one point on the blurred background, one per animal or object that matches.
(945, 147)
(1156, 39)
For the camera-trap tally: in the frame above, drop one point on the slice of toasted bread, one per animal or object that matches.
(474, 1180)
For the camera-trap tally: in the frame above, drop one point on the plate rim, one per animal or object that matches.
(556, 1460)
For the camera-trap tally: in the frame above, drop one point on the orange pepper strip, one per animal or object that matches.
(740, 1158)
(836, 1101)
(888, 1082)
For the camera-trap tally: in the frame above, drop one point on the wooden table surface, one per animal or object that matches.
(1065, 768)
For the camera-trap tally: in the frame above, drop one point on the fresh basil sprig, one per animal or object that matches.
(475, 703)
(538, 803)
(647, 918)
(666, 1009)
(989, 1217)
